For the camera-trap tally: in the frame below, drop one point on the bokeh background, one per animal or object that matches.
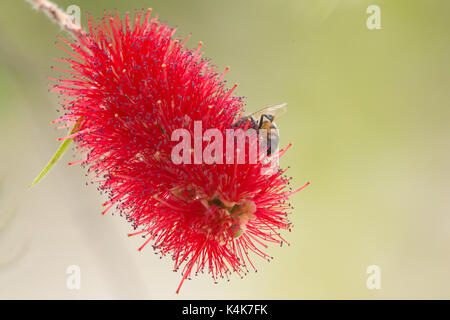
(369, 122)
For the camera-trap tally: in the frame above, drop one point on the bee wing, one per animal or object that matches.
(276, 111)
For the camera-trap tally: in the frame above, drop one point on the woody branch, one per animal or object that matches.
(57, 15)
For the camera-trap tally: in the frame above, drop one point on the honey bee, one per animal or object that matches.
(264, 120)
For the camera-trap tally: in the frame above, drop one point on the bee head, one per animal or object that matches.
(245, 121)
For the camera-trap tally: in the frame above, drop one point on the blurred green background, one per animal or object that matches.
(369, 122)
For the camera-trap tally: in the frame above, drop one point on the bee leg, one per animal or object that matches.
(261, 119)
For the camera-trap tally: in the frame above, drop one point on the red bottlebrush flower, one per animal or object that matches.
(130, 86)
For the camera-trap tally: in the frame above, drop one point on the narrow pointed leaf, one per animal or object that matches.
(58, 154)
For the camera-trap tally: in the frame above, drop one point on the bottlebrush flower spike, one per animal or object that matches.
(129, 87)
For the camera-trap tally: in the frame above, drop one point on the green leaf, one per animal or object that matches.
(58, 154)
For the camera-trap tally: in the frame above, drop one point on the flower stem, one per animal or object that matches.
(57, 15)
